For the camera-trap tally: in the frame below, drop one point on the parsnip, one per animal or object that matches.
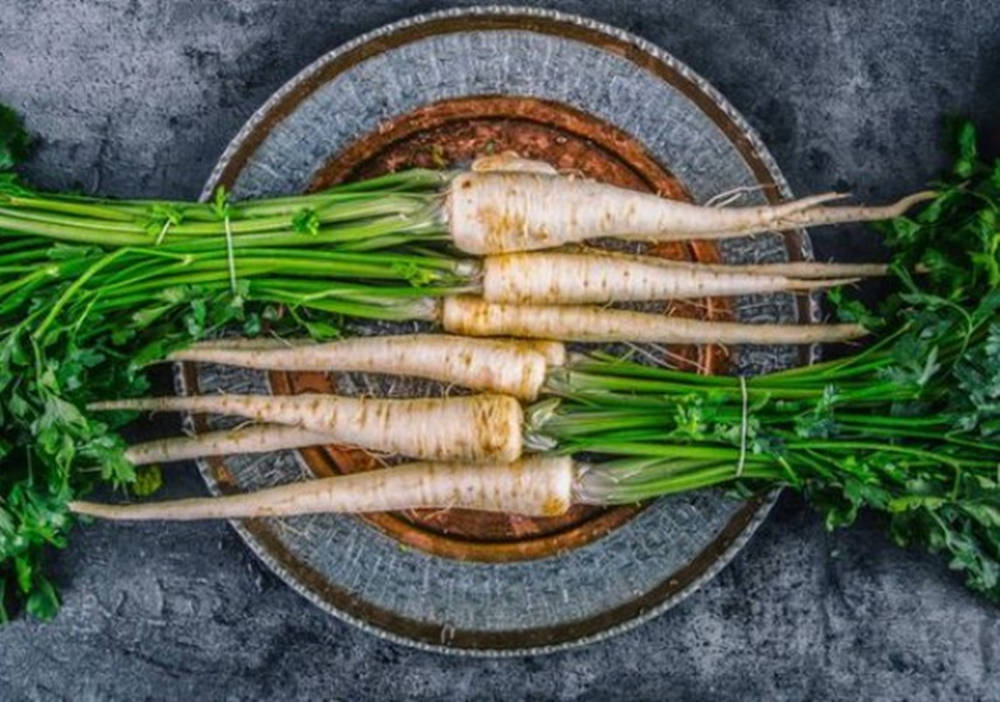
(475, 317)
(505, 211)
(535, 486)
(257, 438)
(474, 428)
(791, 269)
(510, 367)
(236, 343)
(574, 278)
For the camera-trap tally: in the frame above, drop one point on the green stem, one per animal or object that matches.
(73, 233)
(571, 382)
(392, 310)
(77, 208)
(73, 289)
(697, 480)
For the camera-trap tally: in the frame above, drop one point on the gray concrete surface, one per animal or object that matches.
(140, 97)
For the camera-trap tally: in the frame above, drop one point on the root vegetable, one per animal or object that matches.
(475, 317)
(502, 212)
(227, 343)
(258, 438)
(536, 486)
(573, 278)
(509, 367)
(791, 269)
(474, 428)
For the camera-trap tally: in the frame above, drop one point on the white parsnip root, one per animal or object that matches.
(553, 351)
(791, 269)
(256, 438)
(574, 278)
(509, 367)
(539, 486)
(238, 343)
(475, 317)
(506, 211)
(474, 428)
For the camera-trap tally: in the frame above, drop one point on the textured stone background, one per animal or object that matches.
(141, 97)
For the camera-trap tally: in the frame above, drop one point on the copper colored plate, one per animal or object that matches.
(454, 132)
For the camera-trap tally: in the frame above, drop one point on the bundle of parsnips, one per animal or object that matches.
(92, 289)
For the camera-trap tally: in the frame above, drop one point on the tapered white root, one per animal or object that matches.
(503, 212)
(818, 216)
(813, 269)
(237, 343)
(475, 317)
(790, 269)
(537, 486)
(474, 428)
(258, 438)
(510, 367)
(574, 278)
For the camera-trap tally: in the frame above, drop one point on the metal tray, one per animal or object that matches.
(588, 97)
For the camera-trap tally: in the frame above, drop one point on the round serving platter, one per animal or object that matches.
(440, 89)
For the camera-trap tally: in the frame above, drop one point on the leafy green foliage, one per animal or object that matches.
(162, 217)
(52, 451)
(965, 163)
(220, 202)
(148, 479)
(944, 362)
(14, 140)
(948, 354)
(306, 221)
